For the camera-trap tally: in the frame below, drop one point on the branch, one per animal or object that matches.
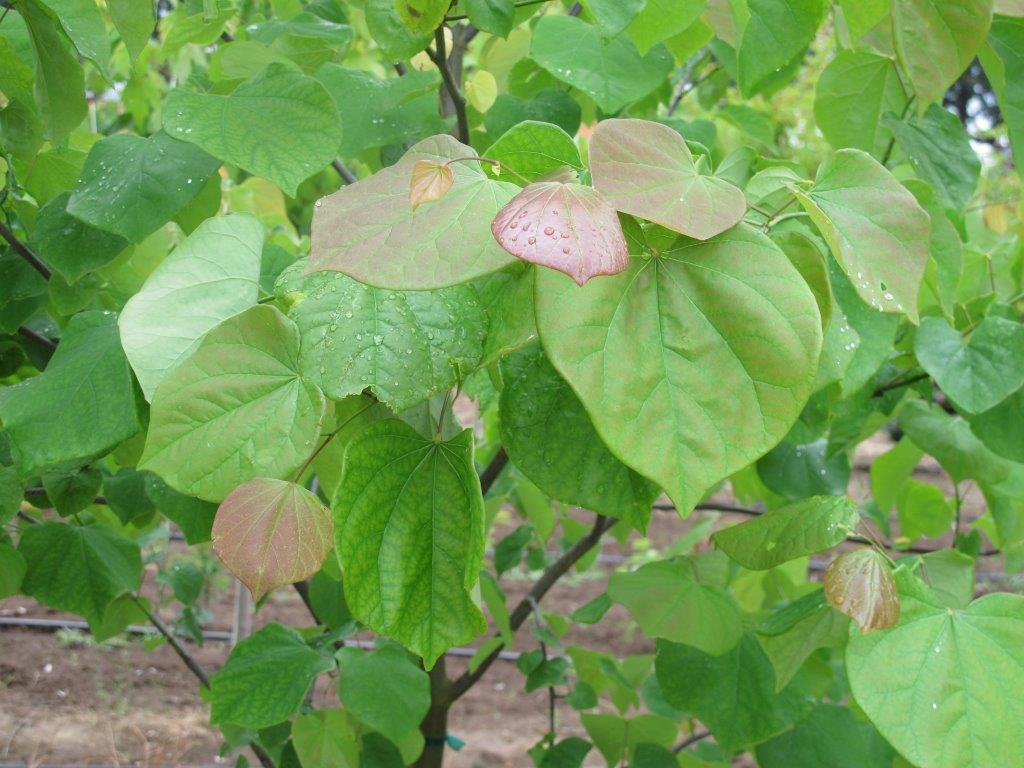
(521, 4)
(344, 172)
(458, 100)
(25, 252)
(521, 612)
(265, 759)
(493, 470)
(38, 338)
(686, 83)
(897, 384)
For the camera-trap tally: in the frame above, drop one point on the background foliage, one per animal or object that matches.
(654, 253)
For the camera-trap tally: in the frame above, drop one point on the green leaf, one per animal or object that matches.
(280, 124)
(875, 228)
(409, 536)
(132, 186)
(71, 492)
(941, 153)
(134, 20)
(862, 15)
(1006, 40)
(551, 106)
(637, 347)
(890, 471)
(923, 510)
(60, 81)
(83, 24)
(611, 71)
(533, 149)
(860, 584)
(384, 689)
(234, 410)
(193, 516)
(369, 231)
(940, 686)
(775, 38)
(12, 570)
(732, 694)
(618, 737)
(568, 753)
(376, 112)
(935, 41)
(1001, 428)
(668, 601)
(979, 374)
(270, 533)
(397, 42)
(613, 16)
(958, 450)
(71, 247)
(507, 296)
(78, 569)
(796, 470)
(265, 678)
(88, 360)
(945, 266)
(421, 16)
(789, 532)
(208, 278)
(403, 346)
(852, 94)
(126, 496)
(662, 19)
(829, 737)
(550, 437)
(326, 737)
(818, 625)
(646, 169)
(185, 579)
(950, 575)
(496, 17)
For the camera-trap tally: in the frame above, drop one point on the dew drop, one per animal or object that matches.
(549, 231)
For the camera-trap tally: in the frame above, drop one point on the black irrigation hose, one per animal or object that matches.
(52, 625)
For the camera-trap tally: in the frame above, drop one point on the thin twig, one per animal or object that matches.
(493, 470)
(898, 383)
(178, 648)
(344, 172)
(689, 740)
(521, 612)
(439, 57)
(685, 84)
(25, 252)
(38, 338)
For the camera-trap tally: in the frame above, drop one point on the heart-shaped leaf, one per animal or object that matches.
(568, 227)
(977, 375)
(272, 532)
(280, 124)
(235, 409)
(875, 227)
(637, 348)
(943, 685)
(646, 169)
(611, 71)
(369, 231)
(861, 585)
(430, 181)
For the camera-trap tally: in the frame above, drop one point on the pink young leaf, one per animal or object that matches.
(430, 181)
(271, 532)
(568, 227)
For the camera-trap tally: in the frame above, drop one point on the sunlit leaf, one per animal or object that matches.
(369, 231)
(646, 169)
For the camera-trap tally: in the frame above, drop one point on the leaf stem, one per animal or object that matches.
(490, 161)
(347, 176)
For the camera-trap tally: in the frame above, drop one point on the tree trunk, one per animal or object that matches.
(435, 725)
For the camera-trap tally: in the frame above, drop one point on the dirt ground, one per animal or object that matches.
(65, 700)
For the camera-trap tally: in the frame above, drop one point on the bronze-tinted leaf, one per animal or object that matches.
(568, 227)
(861, 585)
(430, 181)
(272, 532)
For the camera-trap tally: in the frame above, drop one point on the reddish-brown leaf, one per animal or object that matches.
(568, 227)
(272, 532)
(861, 585)
(430, 181)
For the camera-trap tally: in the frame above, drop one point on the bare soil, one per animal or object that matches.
(65, 700)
